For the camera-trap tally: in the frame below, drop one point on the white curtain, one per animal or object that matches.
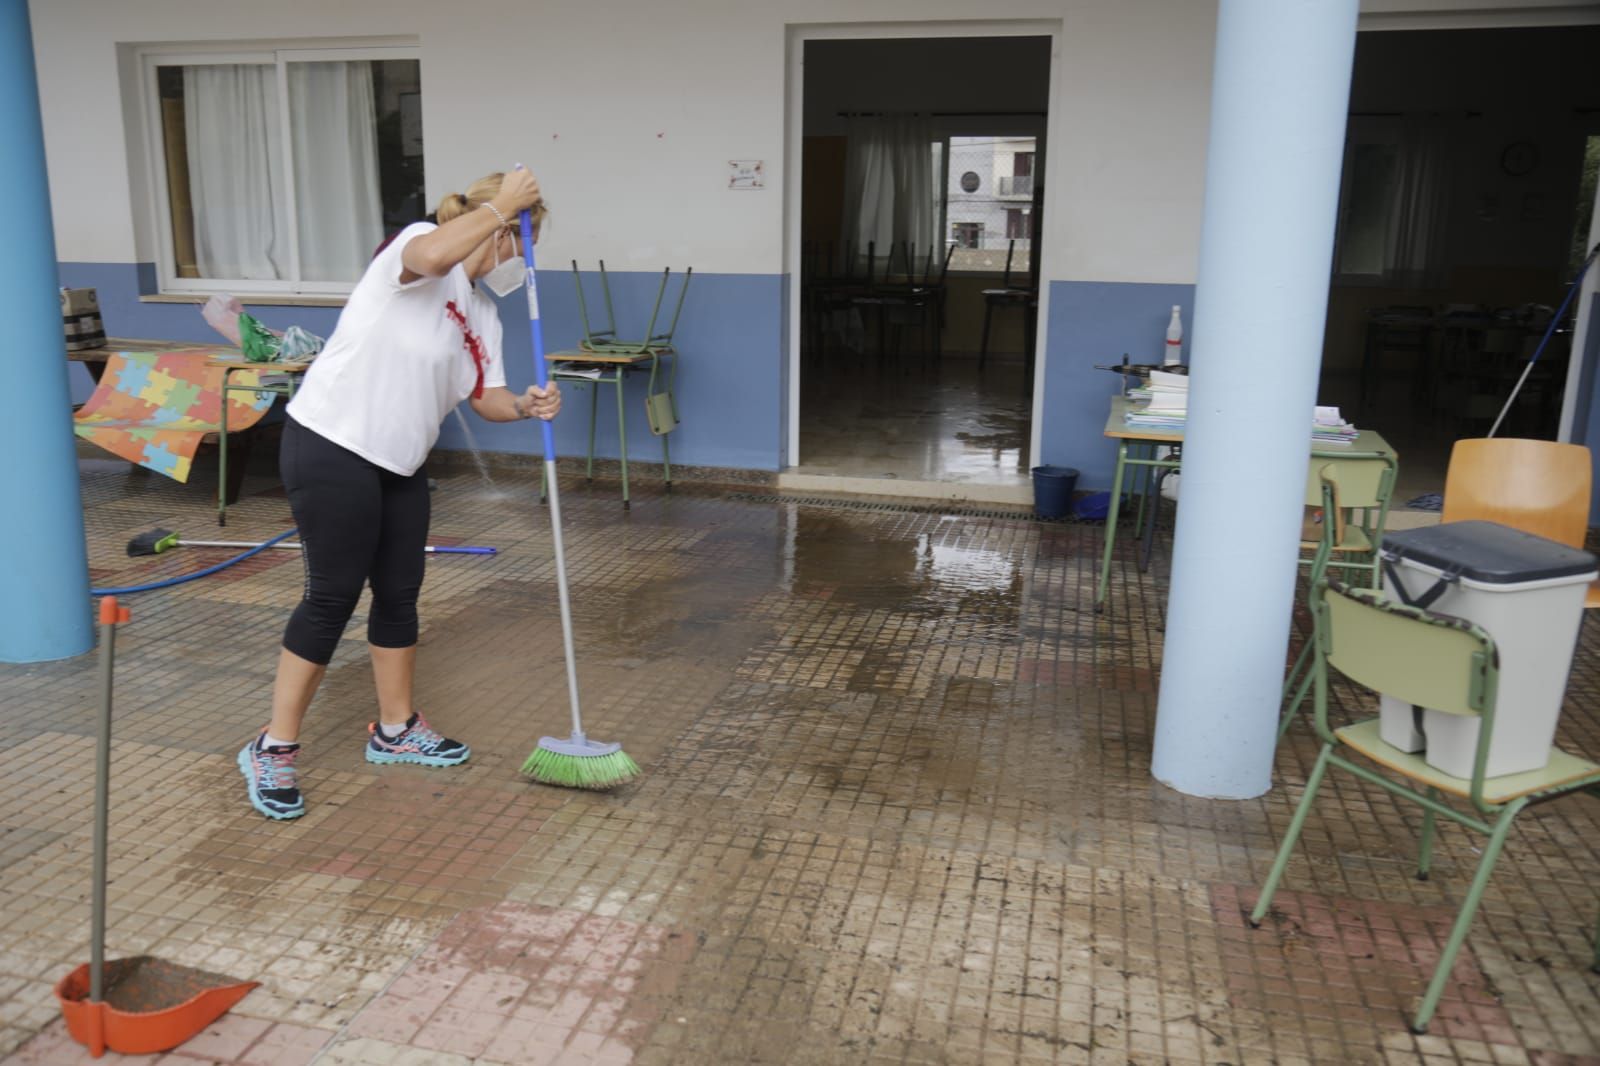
(231, 134)
(234, 140)
(1421, 202)
(889, 185)
(333, 123)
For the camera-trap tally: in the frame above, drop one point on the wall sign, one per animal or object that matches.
(747, 174)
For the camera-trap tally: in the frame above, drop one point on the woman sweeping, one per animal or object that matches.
(415, 339)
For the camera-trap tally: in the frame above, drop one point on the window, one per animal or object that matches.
(1394, 199)
(1371, 186)
(988, 196)
(966, 234)
(282, 171)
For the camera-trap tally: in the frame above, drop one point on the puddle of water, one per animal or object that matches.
(916, 572)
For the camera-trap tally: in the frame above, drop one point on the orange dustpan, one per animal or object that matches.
(140, 1005)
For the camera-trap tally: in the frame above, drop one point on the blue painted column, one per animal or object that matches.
(1280, 93)
(44, 568)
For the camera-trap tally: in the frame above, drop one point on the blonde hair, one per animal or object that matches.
(480, 192)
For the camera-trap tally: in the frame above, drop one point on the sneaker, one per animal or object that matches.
(270, 778)
(418, 744)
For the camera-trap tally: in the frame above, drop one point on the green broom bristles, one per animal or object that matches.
(596, 772)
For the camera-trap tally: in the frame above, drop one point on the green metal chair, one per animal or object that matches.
(605, 340)
(601, 359)
(1445, 664)
(1339, 485)
(1364, 487)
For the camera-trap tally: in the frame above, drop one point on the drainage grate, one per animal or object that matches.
(897, 507)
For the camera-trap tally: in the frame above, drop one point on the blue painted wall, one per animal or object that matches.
(1094, 323)
(729, 388)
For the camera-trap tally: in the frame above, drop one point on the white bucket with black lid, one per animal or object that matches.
(1528, 593)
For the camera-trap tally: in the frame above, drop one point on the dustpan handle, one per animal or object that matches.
(110, 617)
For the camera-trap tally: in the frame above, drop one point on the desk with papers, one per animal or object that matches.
(1151, 447)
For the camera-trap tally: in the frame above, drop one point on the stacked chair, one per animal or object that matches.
(603, 358)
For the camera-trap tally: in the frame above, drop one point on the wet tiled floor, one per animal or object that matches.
(915, 417)
(896, 808)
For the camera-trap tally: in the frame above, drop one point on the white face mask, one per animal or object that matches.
(506, 277)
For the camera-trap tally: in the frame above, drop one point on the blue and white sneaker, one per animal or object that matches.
(270, 778)
(418, 744)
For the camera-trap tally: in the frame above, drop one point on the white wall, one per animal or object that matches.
(629, 119)
(630, 112)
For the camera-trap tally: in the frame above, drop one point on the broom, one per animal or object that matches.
(577, 761)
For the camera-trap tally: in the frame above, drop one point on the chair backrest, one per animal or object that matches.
(590, 334)
(1503, 341)
(1011, 250)
(1430, 660)
(1537, 486)
(1333, 517)
(1365, 479)
(665, 339)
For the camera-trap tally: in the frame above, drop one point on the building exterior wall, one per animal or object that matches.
(630, 114)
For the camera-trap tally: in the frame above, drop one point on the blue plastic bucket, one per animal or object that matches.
(1052, 490)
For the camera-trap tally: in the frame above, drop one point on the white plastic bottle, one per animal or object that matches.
(1174, 338)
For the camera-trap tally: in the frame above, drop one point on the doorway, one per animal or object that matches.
(921, 190)
(1468, 185)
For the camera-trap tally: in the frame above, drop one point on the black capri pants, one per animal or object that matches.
(359, 525)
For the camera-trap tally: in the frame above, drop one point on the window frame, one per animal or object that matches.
(1362, 130)
(278, 56)
(1000, 128)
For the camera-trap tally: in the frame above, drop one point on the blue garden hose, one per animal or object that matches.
(129, 590)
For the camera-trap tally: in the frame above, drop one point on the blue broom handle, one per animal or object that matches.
(568, 646)
(541, 371)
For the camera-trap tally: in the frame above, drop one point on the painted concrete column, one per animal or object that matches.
(44, 569)
(1281, 90)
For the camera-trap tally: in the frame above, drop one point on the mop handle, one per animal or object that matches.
(1555, 320)
(110, 617)
(542, 373)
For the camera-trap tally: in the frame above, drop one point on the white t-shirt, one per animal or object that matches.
(398, 361)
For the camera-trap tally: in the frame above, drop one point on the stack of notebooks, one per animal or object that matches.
(1162, 404)
(1328, 427)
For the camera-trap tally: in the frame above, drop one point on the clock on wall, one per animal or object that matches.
(1519, 158)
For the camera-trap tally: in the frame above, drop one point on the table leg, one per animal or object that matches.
(622, 439)
(222, 456)
(1157, 475)
(1111, 525)
(594, 411)
(666, 461)
(1143, 478)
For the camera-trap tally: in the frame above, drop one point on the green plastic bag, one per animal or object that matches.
(260, 344)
